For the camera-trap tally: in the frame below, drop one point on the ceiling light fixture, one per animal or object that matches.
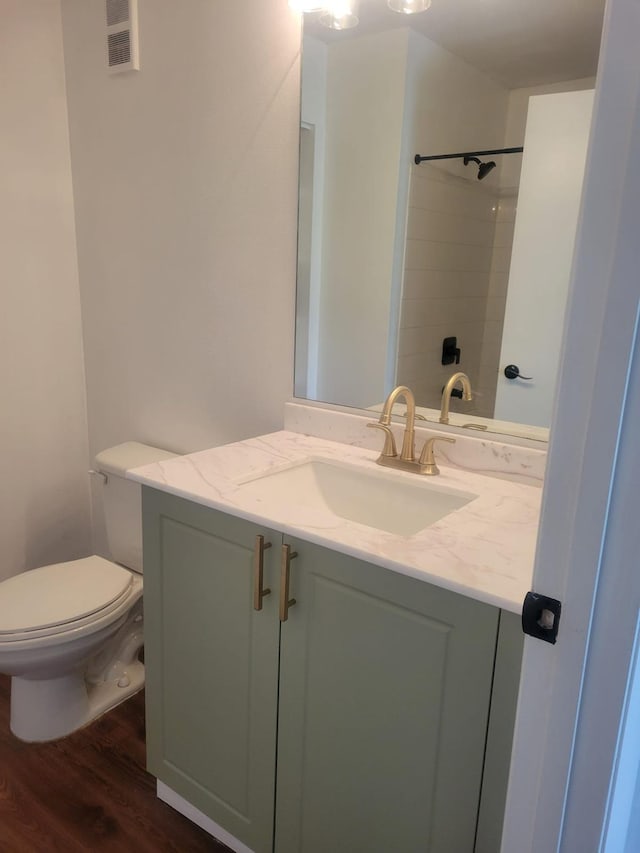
(343, 14)
(409, 7)
(340, 14)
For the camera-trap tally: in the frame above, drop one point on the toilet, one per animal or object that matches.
(71, 633)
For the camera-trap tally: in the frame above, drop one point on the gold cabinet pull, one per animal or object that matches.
(258, 572)
(285, 565)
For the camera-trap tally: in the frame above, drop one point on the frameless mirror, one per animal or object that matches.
(410, 272)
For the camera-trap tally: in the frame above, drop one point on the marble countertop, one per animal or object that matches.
(484, 550)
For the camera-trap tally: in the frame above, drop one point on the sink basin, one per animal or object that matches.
(376, 498)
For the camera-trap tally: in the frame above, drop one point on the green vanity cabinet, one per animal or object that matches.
(211, 665)
(358, 725)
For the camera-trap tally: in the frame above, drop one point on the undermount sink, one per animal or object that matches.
(376, 498)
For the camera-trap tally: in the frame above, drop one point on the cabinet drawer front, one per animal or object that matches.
(384, 697)
(212, 664)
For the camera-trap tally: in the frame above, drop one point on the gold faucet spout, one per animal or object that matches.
(463, 379)
(408, 442)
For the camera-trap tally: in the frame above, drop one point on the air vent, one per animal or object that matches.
(122, 35)
(117, 12)
(119, 48)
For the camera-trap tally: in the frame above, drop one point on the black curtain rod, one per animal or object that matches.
(418, 159)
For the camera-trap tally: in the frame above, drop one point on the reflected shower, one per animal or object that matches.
(483, 168)
(472, 157)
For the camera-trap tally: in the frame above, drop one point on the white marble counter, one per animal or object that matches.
(502, 456)
(484, 550)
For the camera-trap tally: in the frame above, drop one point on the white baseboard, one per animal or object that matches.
(195, 816)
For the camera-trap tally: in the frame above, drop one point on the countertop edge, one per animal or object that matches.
(161, 476)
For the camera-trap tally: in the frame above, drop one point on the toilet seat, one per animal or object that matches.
(62, 598)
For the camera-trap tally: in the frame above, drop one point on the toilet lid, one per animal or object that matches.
(61, 593)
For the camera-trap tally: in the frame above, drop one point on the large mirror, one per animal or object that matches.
(396, 258)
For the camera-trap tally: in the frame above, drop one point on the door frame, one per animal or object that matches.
(551, 783)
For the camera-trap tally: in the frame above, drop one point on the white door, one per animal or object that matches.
(572, 694)
(555, 149)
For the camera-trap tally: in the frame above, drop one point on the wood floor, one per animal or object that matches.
(88, 792)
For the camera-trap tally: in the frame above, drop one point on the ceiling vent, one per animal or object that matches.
(122, 35)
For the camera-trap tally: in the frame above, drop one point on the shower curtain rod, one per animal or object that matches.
(418, 159)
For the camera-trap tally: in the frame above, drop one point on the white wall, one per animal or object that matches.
(313, 111)
(44, 490)
(517, 120)
(185, 182)
(365, 86)
(455, 106)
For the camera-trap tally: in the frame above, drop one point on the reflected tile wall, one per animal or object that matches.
(448, 286)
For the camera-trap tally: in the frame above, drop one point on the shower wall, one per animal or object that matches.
(448, 284)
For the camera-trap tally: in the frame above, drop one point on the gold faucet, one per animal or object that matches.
(407, 460)
(446, 394)
(407, 454)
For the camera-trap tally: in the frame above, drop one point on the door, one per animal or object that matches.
(559, 784)
(211, 664)
(555, 148)
(385, 686)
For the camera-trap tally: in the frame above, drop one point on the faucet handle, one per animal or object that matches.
(389, 448)
(427, 460)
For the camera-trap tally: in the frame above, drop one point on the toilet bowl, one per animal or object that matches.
(71, 633)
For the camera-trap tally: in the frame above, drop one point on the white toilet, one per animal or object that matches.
(70, 633)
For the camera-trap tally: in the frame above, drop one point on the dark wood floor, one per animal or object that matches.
(88, 792)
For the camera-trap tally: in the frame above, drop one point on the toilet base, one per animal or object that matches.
(94, 676)
(43, 710)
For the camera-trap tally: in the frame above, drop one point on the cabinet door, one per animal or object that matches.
(385, 687)
(211, 664)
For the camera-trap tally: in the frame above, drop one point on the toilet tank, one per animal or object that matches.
(122, 499)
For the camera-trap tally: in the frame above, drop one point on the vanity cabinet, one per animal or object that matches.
(358, 724)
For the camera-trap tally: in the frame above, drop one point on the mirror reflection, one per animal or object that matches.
(409, 272)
